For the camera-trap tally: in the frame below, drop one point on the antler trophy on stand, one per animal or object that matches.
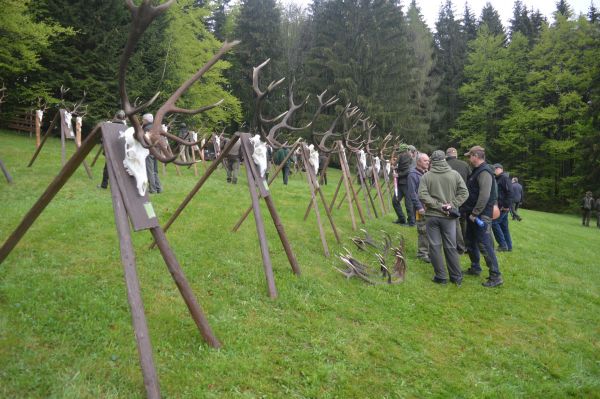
(130, 199)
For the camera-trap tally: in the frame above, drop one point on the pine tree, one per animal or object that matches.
(491, 18)
(469, 24)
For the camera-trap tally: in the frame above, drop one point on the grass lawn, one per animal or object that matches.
(65, 326)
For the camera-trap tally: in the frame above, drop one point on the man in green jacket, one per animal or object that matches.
(442, 190)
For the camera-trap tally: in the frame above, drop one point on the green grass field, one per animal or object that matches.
(65, 326)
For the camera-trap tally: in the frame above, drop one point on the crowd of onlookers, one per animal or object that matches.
(458, 208)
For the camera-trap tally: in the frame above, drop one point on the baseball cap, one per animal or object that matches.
(451, 151)
(498, 166)
(475, 150)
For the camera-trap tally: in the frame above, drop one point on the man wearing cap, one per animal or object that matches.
(414, 179)
(151, 163)
(442, 191)
(500, 225)
(478, 209)
(517, 198)
(402, 169)
(463, 170)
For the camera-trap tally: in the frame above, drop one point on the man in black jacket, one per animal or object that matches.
(517, 191)
(402, 169)
(500, 225)
(478, 210)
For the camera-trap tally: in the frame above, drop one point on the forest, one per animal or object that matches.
(528, 92)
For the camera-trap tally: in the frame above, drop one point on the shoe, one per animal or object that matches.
(493, 282)
(439, 281)
(100, 186)
(502, 249)
(424, 259)
(458, 283)
(472, 272)
(401, 223)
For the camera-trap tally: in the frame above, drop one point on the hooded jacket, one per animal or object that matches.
(441, 185)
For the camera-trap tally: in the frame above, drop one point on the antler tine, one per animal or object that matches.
(329, 132)
(198, 110)
(271, 138)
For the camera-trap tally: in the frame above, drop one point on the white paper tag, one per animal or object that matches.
(149, 210)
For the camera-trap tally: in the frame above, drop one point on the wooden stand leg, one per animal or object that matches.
(53, 188)
(5, 171)
(184, 287)
(260, 228)
(314, 202)
(282, 235)
(134, 297)
(46, 135)
(63, 148)
(96, 156)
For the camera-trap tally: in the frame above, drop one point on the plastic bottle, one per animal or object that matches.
(479, 222)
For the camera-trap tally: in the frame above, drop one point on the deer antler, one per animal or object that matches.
(142, 16)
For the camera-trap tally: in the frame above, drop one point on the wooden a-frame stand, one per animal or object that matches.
(63, 136)
(128, 207)
(5, 171)
(258, 188)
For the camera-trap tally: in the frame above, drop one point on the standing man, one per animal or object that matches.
(232, 161)
(517, 198)
(402, 169)
(414, 178)
(505, 201)
(151, 163)
(442, 190)
(278, 158)
(478, 210)
(463, 170)
(597, 207)
(119, 118)
(587, 203)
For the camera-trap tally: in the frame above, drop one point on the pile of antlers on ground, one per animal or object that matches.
(356, 268)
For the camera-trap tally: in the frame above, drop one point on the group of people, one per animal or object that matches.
(587, 206)
(453, 204)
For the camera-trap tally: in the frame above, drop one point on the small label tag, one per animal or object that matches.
(149, 210)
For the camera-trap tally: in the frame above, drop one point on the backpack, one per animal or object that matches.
(588, 203)
(279, 156)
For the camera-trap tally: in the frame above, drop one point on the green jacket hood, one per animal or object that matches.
(440, 166)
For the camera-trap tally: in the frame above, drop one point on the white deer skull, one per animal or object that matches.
(388, 167)
(39, 115)
(362, 158)
(313, 158)
(259, 155)
(69, 133)
(377, 163)
(135, 160)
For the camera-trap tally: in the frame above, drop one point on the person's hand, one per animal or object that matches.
(472, 218)
(446, 208)
(421, 211)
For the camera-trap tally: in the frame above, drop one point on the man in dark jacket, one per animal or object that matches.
(500, 225)
(402, 169)
(232, 161)
(154, 185)
(463, 170)
(587, 204)
(517, 198)
(478, 210)
(414, 178)
(597, 207)
(442, 191)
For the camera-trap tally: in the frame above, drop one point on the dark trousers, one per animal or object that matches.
(152, 172)
(397, 204)
(479, 240)
(501, 232)
(104, 183)
(286, 173)
(513, 211)
(441, 233)
(586, 214)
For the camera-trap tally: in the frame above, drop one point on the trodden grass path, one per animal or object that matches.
(65, 329)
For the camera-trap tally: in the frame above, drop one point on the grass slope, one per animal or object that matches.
(65, 328)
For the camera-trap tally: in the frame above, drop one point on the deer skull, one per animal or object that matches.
(313, 158)
(362, 157)
(39, 115)
(135, 159)
(377, 164)
(259, 155)
(69, 133)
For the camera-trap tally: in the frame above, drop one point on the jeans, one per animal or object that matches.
(480, 239)
(397, 204)
(500, 228)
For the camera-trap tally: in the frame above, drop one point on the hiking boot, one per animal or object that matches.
(439, 281)
(424, 259)
(458, 283)
(400, 222)
(502, 249)
(493, 282)
(472, 272)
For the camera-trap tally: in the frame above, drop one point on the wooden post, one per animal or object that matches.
(96, 156)
(5, 171)
(53, 188)
(260, 228)
(38, 126)
(44, 138)
(134, 297)
(63, 144)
